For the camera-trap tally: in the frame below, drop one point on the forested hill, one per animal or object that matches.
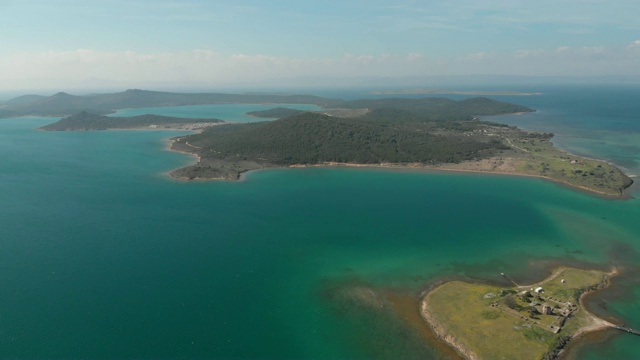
(89, 121)
(312, 138)
(275, 113)
(63, 104)
(430, 108)
(421, 109)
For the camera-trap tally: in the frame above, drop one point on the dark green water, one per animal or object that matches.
(102, 256)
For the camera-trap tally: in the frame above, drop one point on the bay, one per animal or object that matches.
(101, 255)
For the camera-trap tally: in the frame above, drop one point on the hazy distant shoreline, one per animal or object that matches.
(454, 92)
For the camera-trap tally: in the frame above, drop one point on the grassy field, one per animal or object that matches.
(539, 157)
(497, 323)
(533, 154)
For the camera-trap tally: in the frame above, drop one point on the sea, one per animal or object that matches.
(104, 256)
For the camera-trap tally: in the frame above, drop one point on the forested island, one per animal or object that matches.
(392, 137)
(426, 133)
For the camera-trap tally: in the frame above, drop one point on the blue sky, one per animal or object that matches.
(49, 44)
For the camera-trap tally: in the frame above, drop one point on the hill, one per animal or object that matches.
(275, 113)
(24, 100)
(429, 108)
(63, 104)
(312, 138)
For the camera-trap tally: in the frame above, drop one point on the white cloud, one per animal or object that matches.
(634, 45)
(197, 66)
(58, 69)
(481, 56)
(415, 57)
(529, 53)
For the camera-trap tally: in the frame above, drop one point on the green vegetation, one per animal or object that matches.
(543, 159)
(520, 323)
(312, 138)
(392, 137)
(88, 121)
(275, 113)
(433, 109)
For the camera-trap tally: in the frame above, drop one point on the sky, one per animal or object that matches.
(64, 44)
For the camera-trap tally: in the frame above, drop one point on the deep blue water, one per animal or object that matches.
(103, 256)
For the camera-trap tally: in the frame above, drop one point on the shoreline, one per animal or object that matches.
(622, 196)
(441, 333)
(596, 323)
(427, 168)
(495, 165)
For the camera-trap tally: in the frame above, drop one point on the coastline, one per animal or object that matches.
(599, 323)
(462, 169)
(596, 323)
(466, 168)
(622, 196)
(441, 333)
(521, 163)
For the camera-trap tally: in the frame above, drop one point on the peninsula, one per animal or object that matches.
(522, 322)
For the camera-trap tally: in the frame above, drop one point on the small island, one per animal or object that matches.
(86, 121)
(536, 321)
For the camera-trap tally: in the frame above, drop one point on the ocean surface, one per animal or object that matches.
(102, 256)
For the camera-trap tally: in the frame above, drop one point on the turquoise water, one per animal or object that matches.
(227, 112)
(602, 122)
(103, 256)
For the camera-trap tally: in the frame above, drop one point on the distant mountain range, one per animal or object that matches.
(64, 104)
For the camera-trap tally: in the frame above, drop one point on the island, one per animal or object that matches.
(86, 121)
(392, 138)
(483, 321)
